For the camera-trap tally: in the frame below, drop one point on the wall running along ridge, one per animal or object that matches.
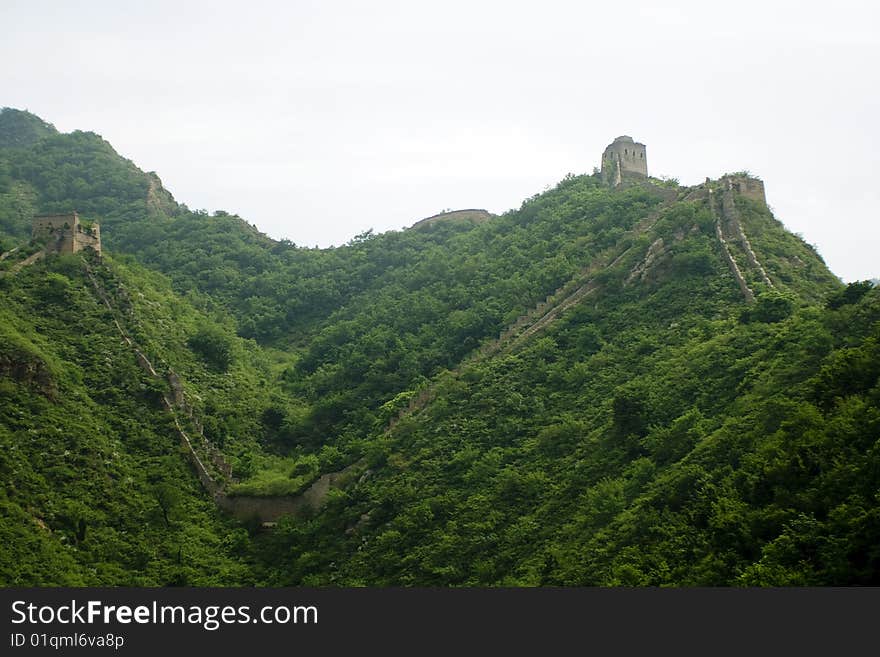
(542, 315)
(267, 509)
(728, 217)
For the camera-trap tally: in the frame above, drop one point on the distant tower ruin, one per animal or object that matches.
(622, 158)
(65, 233)
(745, 185)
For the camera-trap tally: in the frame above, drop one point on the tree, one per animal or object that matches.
(770, 306)
(850, 294)
(168, 498)
(214, 346)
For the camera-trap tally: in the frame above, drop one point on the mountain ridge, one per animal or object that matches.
(582, 390)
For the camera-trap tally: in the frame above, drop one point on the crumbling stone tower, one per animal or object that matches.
(65, 233)
(622, 158)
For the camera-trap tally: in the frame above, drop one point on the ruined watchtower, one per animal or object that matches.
(622, 158)
(65, 233)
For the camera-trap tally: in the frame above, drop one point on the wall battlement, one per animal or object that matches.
(65, 233)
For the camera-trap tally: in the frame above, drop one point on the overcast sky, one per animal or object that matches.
(319, 120)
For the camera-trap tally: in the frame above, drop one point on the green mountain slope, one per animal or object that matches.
(628, 445)
(96, 489)
(648, 384)
(661, 431)
(20, 128)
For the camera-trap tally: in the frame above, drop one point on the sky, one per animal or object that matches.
(317, 121)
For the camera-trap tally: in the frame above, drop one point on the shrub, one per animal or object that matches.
(214, 346)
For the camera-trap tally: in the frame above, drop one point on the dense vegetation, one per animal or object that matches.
(622, 448)
(95, 489)
(661, 431)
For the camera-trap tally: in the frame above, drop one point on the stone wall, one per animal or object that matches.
(728, 226)
(271, 508)
(625, 156)
(267, 509)
(65, 233)
(84, 238)
(745, 186)
(474, 215)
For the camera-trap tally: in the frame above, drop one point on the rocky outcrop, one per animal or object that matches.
(28, 370)
(159, 200)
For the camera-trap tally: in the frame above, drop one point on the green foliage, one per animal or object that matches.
(770, 306)
(793, 264)
(274, 475)
(214, 346)
(698, 452)
(658, 432)
(168, 498)
(20, 128)
(629, 415)
(94, 490)
(54, 288)
(850, 294)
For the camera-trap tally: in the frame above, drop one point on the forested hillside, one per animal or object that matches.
(682, 393)
(96, 489)
(640, 441)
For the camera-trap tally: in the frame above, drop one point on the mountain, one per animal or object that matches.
(640, 384)
(22, 129)
(96, 487)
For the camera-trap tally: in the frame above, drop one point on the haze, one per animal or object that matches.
(317, 121)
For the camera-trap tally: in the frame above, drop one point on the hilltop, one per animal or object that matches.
(623, 381)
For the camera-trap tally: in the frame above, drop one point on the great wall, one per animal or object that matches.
(57, 233)
(580, 286)
(624, 163)
(212, 469)
(472, 215)
(729, 227)
(585, 282)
